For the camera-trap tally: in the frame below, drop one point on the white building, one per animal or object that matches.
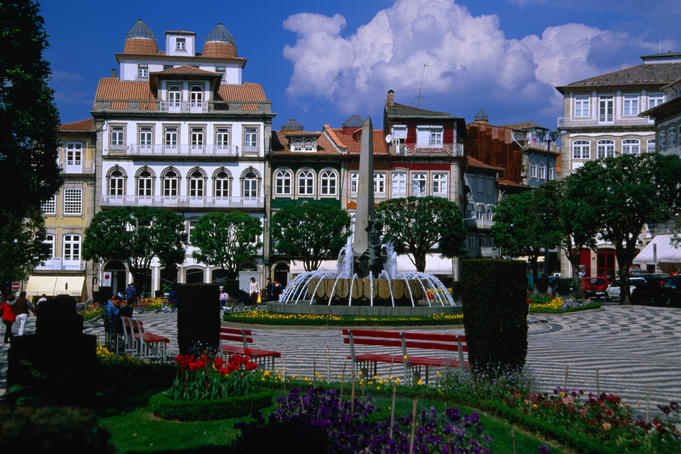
(180, 129)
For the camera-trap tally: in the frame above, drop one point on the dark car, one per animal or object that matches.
(594, 286)
(671, 291)
(650, 291)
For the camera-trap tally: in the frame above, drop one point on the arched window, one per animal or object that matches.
(250, 185)
(306, 183)
(309, 145)
(631, 146)
(605, 149)
(329, 180)
(144, 184)
(171, 183)
(116, 184)
(222, 185)
(298, 144)
(533, 169)
(282, 182)
(663, 142)
(541, 170)
(196, 184)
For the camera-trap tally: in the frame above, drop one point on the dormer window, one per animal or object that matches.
(303, 144)
(297, 145)
(180, 44)
(142, 71)
(309, 145)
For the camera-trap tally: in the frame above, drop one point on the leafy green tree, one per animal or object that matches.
(135, 235)
(28, 126)
(416, 225)
(310, 232)
(527, 224)
(227, 240)
(627, 192)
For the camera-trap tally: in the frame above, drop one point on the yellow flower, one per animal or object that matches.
(420, 382)
(534, 405)
(607, 425)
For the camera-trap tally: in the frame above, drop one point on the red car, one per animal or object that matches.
(594, 286)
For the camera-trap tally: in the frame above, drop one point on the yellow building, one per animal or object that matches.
(67, 215)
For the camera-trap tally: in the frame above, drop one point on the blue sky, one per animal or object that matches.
(320, 62)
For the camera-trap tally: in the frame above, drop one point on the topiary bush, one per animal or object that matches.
(207, 410)
(495, 314)
(39, 430)
(198, 318)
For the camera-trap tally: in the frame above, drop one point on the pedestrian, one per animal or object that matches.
(276, 290)
(113, 316)
(8, 318)
(223, 297)
(131, 293)
(21, 307)
(42, 299)
(268, 289)
(254, 290)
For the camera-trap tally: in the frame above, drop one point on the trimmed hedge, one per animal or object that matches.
(495, 314)
(198, 318)
(208, 410)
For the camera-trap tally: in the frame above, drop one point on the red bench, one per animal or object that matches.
(142, 343)
(406, 342)
(244, 337)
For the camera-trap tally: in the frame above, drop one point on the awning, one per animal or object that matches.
(666, 252)
(55, 285)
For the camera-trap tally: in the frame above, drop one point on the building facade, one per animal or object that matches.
(180, 129)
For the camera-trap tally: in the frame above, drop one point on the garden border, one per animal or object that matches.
(208, 410)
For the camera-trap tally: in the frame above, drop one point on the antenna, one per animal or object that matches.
(420, 96)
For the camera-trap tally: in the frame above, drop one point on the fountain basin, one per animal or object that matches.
(304, 307)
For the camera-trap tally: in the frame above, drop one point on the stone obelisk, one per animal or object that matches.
(365, 191)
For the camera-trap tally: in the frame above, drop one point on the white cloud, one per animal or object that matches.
(463, 54)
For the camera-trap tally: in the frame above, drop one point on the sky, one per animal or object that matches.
(322, 61)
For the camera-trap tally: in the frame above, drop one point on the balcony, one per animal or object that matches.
(192, 107)
(541, 145)
(183, 201)
(150, 106)
(177, 150)
(85, 167)
(452, 149)
(565, 122)
(57, 264)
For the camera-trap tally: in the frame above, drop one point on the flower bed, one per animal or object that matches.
(264, 317)
(155, 304)
(559, 305)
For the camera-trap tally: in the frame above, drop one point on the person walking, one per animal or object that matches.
(254, 290)
(8, 318)
(21, 307)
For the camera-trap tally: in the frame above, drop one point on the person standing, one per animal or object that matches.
(8, 318)
(276, 290)
(21, 312)
(131, 293)
(254, 290)
(42, 299)
(268, 289)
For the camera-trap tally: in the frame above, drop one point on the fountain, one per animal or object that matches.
(366, 280)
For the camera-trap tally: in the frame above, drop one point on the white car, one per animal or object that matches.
(613, 290)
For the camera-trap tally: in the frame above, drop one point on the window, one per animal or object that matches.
(170, 184)
(672, 139)
(180, 43)
(282, 182)
(419, 184)
(305, 183)
(431, 135)
(170, 139)
(250, 185)
(582, 107)
(440, 184)
(145, 137)
(398, 184)
(222, 185)
(190, 230)
(71, 248)
(73, 201)
(196, 184)
(309, 144)
(329, 181)
(655, 99)
(605, 149)
(650, 146)
(663, 142)
(117, 137)
(552, 173)
(354, 183)
(49, 242)
(297, 144)
(606, 109)
(174, 96)
(144, 184)
(399, 131)
(251, 139)
(222, 138)
(74, 154)
(197, 139)
(581, 149)
(533, 169)
(631, 146)
(49, 206)
(142, 71)
(116, 184)
(541, 171)
(196, 97)
(630, 105)
(379, 183)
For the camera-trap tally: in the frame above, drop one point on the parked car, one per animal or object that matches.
(613, 290)
(650, 291)
(671, 291)
(594, 287)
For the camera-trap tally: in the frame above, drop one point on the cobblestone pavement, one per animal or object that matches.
(630, 347)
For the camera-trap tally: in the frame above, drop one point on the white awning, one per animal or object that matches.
(71, 285)
(37, 285)
(666, 252)
(55, 285)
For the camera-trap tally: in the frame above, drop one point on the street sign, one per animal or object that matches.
(16, 286)
(106, 279)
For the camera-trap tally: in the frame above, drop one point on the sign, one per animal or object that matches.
(16, 286)
(106, 279)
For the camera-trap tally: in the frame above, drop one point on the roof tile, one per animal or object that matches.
(82, 125)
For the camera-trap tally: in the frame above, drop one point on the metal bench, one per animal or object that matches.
(245, 337)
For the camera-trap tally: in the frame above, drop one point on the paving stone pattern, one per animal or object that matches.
(630, 346)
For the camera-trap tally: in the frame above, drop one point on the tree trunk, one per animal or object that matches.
(420, 261)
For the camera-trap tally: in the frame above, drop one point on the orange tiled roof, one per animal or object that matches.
(507, 182)
(140, 46)
(324, 145)
(114, 88)
(243, 92)
(471, 161)
(354, 147)
(82, 125)
(219, 49)
(186, 69)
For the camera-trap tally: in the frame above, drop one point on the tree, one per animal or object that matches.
(21, 242)
(416, 225)
(310, 232)
(28, 127)
(526, 224)
(627, 192)
(227, 240)
(135, 236)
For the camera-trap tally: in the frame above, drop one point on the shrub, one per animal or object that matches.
(542, 284)
(565, 286)
(495, 314)
(38, 430)
(198, 318)
(206, 410)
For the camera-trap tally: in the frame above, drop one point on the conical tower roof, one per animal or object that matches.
(355, 121)
(140, 40)
(481, 116)
(292, 125)
(219, 43)
(220, 34)
(140, 30)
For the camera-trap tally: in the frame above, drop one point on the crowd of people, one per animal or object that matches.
(15, 308)
(271, 292)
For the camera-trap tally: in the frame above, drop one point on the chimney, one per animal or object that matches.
(391, 98)
(113, 72)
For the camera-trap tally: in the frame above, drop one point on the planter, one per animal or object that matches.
(208, 410)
